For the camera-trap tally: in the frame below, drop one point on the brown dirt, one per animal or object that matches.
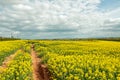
(7, 59)
(40, 71)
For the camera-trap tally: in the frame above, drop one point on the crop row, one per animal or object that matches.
(19, 68)
(81, 60)
(9, 47)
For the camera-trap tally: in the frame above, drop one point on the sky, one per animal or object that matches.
(49, 19)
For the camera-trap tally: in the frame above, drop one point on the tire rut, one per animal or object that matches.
(40, 71)
(7, 60)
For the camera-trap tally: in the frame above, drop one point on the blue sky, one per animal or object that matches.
(109, 4)
(43, 19)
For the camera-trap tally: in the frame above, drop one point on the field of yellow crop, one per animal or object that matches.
(9, 47)
(19, 68)
(81, 60)
(66, 60)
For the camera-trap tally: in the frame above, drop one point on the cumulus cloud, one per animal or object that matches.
(10, 2)
(56, 18)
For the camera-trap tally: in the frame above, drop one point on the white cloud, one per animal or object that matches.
(114, 13)
(56, 18)
(10, 2)
(22, 7)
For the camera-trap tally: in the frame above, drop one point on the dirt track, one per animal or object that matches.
(40, 71)
(7, 59)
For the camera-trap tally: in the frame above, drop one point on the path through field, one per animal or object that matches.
(7, 59)
(40, 71)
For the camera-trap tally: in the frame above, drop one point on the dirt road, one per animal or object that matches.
(40, 71)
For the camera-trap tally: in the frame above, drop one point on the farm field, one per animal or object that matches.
(65, 60)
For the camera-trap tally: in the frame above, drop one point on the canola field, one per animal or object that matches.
(18, 68)
(81, 60)
(66, 60)
(9, 47)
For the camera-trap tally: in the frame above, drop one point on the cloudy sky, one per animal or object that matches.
(60, 18)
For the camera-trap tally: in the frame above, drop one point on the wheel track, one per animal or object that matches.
(40, 71)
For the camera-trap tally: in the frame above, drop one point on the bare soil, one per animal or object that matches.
(40, 71)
